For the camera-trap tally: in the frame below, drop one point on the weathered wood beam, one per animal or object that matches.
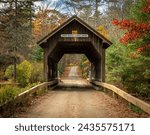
(137, 102)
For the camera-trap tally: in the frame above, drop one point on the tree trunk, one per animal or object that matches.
(15, 69)
(16, 42)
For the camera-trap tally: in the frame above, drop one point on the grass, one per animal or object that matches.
(135, 108)
(9, 92)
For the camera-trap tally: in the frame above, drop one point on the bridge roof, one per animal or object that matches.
(105, 40)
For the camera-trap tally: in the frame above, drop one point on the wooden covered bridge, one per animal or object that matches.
(74, 37)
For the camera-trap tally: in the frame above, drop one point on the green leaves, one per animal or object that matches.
(136, 12)
(24, 73)
(37, 54)
(8, 93)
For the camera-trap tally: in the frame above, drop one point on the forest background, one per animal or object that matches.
(125, 22)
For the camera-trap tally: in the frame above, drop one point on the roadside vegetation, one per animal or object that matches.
(128, 58)
(28, 75)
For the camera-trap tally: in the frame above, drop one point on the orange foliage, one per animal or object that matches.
(45, 22)
(102, 30)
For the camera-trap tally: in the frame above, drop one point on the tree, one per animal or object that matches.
(118, 8)
(46, 21)
(15, 28)
(76, 6)
(37, 54)
(102, 30)
(88, 10)
(136, 28)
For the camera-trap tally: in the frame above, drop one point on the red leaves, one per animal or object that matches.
(148, 1)
(143, 26)
(125, 24)
(139, 50)
(134, 30)
(144, 47)
(131, 25)
(115, 22)
(146, 9)
(129, 36)
(133, 55)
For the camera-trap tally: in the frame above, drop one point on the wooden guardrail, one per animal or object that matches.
(8, 108)
(137, 102)
(37, 88)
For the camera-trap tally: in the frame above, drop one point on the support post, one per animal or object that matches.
(53, 70)
(46, 70)
(46, 62)
(103, 65)
(49, 70)
(98, 71)
(92, 71)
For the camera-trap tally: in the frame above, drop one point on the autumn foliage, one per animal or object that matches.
(146, 9)
(134, 29)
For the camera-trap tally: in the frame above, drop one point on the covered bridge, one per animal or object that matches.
(74, 37)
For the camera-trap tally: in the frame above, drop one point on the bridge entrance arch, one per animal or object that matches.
(74, 37)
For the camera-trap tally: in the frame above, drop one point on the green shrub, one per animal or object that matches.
(8, 93)
(36, 72)
(85, 67)
(9, 72)
(24, 73)
(37, 54)
(135, 108)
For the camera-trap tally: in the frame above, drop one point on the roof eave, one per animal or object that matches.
(44, 39)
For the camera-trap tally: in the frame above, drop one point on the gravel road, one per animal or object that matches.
(75, 98)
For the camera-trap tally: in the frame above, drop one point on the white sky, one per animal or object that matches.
(52, 1)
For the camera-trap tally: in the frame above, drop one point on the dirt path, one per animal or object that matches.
(77, 103)
(74, 97)
(73, 71)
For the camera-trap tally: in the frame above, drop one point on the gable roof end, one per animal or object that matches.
(44, 39)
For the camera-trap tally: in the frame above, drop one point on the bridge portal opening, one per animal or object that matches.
(74, 66)
(71, 48)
